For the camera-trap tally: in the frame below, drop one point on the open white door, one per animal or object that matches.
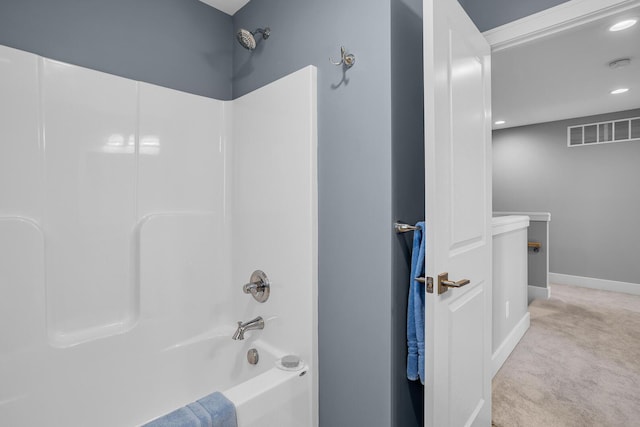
(458, 218)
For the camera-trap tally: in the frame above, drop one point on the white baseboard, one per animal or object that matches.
(589, 282)
(500, 355)
(538, 292)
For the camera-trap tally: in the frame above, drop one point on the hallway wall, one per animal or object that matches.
(591, 192)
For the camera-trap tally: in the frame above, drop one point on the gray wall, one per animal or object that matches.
(591, 192)
(371, 171)
(180, 44)
(538, 274)
(185, 44)
(488, 14)
(354, 179)
(407, 118)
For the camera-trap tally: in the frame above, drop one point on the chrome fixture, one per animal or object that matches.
(247, 39)
(346, 59)
(253, 356)
(404, 228)
(257, 323)
(258, 286)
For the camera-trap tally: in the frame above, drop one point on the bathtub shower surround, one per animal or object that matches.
(131, 216)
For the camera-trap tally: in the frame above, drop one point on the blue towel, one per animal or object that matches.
(214, 410)
(221, 409)
(415, 308)
(183, 417)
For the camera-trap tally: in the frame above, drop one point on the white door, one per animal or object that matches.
(458, 218)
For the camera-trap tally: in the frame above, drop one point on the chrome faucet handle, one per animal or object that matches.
(258, 286)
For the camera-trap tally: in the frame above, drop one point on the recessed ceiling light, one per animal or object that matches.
(499, 122)
(621, 90)
(623, 25)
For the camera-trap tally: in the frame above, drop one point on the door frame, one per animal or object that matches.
(553, 20)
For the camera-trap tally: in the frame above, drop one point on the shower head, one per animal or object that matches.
(247, 40)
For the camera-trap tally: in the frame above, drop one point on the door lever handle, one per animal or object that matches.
(444, 283)
(458, 284)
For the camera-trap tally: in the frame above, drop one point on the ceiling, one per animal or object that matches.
(227, 6)
(567, 74)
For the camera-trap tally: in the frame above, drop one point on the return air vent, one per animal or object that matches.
(604, 132)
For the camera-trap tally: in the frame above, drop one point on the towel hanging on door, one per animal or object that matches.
(415, 307)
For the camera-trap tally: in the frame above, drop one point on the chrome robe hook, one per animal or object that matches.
(346, 59)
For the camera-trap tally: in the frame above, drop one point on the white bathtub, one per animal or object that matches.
(124, 382)
(263, 394)
(275, 398)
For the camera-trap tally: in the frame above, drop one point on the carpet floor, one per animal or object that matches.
(577, 365)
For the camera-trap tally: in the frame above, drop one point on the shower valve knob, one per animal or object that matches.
(258, 286)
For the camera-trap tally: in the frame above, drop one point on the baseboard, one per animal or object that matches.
(538, 292)
(589, 282)
(500, 355)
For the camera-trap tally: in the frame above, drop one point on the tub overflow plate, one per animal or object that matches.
(253, 356)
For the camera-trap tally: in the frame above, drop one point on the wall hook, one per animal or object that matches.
(346, 59)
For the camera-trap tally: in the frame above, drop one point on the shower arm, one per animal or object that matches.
(266, 32)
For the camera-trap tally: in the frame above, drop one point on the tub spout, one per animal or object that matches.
(257, 323)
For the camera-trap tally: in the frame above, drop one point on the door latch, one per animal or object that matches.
(428, 281)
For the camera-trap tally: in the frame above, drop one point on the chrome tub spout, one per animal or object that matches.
(257, 323)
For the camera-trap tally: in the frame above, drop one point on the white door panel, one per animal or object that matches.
(458, 217)
(466, 393)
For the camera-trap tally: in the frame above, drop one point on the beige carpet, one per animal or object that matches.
(577, 365)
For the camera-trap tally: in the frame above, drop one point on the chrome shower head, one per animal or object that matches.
(247, 40)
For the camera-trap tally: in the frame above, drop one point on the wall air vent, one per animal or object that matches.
(604, 132)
